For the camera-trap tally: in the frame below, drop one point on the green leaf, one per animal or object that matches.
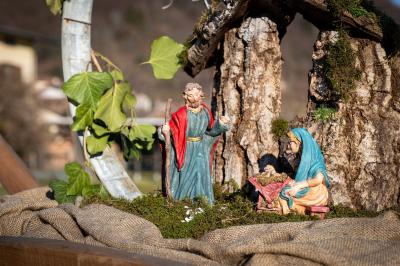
(77, 179)
(55, 6)
(95, 144)
(91, 190)
(129, 150)
(59, 188)
(117, 75)
(104, 193)
(108, 61)
(129, 101)
(164, 57)
(88, 87)
(110, 108)
(83, 117)
(142, 132)
(99, 130)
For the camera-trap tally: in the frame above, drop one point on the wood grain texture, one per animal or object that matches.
(14, 175)
(16, 251)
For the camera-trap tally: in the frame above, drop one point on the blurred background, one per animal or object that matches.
(34, 117)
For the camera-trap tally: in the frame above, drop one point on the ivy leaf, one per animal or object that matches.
(95, 144)
(164, 57)
(104, 193)
(88, 87)
(110, 108)
(99, 130)
(77, 178)
(55, 6)
(129, 101)
(129, 150)
(91, 190)
(142, 132)
(117, 75)
(83, 117)
(59, 188)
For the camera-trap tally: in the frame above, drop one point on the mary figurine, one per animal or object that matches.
(310, 185)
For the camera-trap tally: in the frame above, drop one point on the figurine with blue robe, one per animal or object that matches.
(310, 185)
(194, 134)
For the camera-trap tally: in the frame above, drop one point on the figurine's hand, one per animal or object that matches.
(295, 187)
(165, 129)
(225, 120)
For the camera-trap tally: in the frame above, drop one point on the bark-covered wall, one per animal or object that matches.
(248, 90)
(362, 144)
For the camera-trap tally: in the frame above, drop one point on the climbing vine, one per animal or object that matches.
(105, 112)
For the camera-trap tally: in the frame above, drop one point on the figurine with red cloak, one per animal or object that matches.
(194, 133)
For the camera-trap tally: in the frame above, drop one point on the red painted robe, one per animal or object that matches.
(178, 126)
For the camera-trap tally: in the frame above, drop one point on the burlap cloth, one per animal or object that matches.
(346, 241)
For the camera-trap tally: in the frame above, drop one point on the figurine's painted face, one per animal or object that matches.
(294, 147)
(193, 98)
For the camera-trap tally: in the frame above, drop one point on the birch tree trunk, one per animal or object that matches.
(248, 89)
(76, 49)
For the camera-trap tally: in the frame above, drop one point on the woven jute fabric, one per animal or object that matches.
(345, 241)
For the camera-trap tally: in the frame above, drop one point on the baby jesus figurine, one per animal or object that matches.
(268, 184)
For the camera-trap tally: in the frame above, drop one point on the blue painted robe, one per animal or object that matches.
(194, 179)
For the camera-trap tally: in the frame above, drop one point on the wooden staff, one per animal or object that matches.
(167, 136)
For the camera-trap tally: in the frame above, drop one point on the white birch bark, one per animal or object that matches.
(76, 48)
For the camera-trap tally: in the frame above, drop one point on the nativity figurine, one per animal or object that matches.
(193, 134)
(309, 189)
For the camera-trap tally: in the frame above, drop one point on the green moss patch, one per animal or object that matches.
(324, 114)
(354, 7)
(229, 210)
(340, 66)
(366, 8)
(279, 128)
(169, 217)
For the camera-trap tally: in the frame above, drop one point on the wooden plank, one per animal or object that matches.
(15, 251)
(14, 175)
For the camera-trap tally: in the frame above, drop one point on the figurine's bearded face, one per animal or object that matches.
(193, 96)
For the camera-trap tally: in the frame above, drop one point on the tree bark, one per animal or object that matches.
(362, 144)
(248, 90)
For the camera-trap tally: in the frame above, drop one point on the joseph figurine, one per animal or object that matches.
(194, 134)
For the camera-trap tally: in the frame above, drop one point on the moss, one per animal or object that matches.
(390, 29)
(339, 68)
(228, 210)
(279, 128)
(340, 211)
(366, 8)
(205, 16)
(354, 7)
(324, 114)
(183, 56)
